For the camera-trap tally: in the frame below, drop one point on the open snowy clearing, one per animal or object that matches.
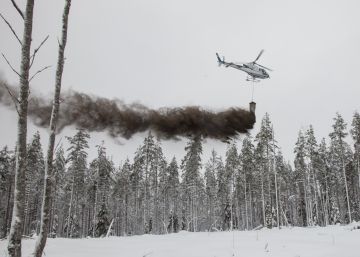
(290, 242)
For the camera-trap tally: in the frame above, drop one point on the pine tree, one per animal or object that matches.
(103, 222)
(324, 179)
(122, 194)
(230, 189)
(173, 196)
(339, 147)
(355, 133)
(6, 187)
(211, 189)
(311, 155)
(192, 183)
(149, 162)
(35, 171)
(77, 158)
(264, 159)
(247, 173)
(58, 213)
(301, 180)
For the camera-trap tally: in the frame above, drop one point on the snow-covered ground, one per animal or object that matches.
(332, 241)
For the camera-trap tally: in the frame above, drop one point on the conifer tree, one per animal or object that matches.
(339, 146)
(192, 183)
(247, 173)
(173, 196)
(77, 159)
(58, 213)
(230, 189)
(211, 189)
(355, 133)
(264, 158)
(34, 186)
(103, 222)
(301, 180)
(311, 156)
(6, 188)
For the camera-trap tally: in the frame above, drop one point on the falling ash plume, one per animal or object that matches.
(119, 119)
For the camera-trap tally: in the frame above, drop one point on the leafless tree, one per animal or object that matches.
(21, 105)
(49, 178)
(14, 244)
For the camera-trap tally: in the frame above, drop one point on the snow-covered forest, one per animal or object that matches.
(251, 186)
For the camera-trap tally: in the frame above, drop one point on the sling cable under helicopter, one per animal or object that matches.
(255, 71)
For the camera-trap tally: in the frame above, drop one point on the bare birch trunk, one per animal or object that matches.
(14, 243)
(49, 178)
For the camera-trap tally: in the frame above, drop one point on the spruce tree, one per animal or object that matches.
(301, 180)
(102, 224)
(231, 190)
(58, 213)
(173, 196)
(339, 146)
(247, 171)
(211, 189)
(311, 156)
(192, 183)
(355, 133)
(77, 159)
(6, 187)
(35, 171)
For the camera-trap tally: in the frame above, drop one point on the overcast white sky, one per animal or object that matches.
(162, 53)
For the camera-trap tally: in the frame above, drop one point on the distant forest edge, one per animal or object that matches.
(253, 186)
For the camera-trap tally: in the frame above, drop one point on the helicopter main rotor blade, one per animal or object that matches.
(264, 67)
(257, 58)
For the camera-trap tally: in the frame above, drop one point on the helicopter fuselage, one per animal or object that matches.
(251, 69)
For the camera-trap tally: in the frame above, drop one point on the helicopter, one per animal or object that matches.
(254, 70)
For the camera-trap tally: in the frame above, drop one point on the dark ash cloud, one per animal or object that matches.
(124, 120)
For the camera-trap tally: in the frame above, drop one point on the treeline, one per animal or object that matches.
(250, 187)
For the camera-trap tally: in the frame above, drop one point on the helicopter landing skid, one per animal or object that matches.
(252, 79)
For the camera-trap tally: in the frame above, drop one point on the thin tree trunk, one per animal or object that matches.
(49, 178)
(94, 214)
(68, 230)
(246, 208)
(327, 203)
(346, 185)
(276, 188)
(6, 221)
(358, 171)
(263, 200)
(14, 243)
